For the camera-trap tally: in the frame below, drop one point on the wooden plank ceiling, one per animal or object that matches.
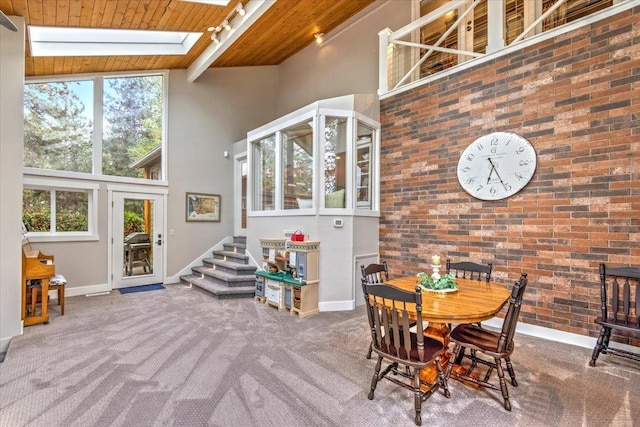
(286, 28)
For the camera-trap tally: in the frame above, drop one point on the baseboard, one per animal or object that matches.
(4, 347)
(81, 290)
(550, 334)
(336, 305)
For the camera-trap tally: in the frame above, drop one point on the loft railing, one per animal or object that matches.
(464, 31)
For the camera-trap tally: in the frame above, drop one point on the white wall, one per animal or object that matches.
(11, 129)
(346, 63)
(206, 118)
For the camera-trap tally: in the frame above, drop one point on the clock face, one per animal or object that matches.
(496, 166)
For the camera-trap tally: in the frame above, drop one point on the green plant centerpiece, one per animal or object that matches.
(446, 283)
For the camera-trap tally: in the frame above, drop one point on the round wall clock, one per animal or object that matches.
(496, 166)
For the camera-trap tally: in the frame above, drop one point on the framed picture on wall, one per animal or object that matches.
(203, 207)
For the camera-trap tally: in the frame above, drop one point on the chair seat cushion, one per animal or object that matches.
(473, 336)
(57, 280)
(432, 348)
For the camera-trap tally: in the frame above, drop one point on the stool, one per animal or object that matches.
(58, 282)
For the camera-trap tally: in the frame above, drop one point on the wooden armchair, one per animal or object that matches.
(390, 320)
(494, 346)
(620, 309)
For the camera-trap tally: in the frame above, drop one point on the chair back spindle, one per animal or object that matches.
(375, 273)
(469, 270)
(620, 295)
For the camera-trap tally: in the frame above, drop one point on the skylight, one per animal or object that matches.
(213, 2)
(60, 41)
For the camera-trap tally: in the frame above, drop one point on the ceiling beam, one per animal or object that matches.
(239, 24)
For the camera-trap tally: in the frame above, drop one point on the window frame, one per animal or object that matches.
(54, 185)
(98, 110)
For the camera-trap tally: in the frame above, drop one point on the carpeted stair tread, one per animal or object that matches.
(230, 254)
(240, 268)
(222, 275)
(219, 290)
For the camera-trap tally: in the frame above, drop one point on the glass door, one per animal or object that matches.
(137, 224)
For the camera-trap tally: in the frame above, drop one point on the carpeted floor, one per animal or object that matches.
(181, 358)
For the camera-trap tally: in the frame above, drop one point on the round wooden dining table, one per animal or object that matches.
(474, 301)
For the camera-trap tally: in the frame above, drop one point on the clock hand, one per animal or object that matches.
(490, 173)
(493, 168)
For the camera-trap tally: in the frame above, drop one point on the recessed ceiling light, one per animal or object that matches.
(61, 41)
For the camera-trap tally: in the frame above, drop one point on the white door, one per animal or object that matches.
(137, 245)
(240, 195)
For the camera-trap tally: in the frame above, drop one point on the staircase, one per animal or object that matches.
(227, 274)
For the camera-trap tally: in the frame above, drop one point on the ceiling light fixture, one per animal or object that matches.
(226, 24)
(319, 37)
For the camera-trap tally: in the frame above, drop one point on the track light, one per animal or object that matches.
(319, 37)
(226, 24)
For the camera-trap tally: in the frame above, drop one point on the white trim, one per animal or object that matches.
(91, 76)
(91, 177)
(238, 159)
(39, 183)
(136, 189)
(85, 290)
(546, 333)
(336, 305)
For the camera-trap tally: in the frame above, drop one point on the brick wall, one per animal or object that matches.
(576, 98)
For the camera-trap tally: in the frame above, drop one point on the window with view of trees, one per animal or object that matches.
(297, 169)
(60, 125)
(57, 210)
(264, 161)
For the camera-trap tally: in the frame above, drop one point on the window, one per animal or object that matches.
(264, 166)
(58, 126)
(297, 159)
(119, 133)
(319, 161)
(59, 210)
(364, 161)
(335, 155)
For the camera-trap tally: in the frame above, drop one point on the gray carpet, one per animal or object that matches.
(177, 357)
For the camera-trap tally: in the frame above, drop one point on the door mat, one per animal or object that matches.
(141, 288)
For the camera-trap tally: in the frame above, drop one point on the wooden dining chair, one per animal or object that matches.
(490, 344)
(620, 309)
(470, 270)
(389, 320)
(371, 274)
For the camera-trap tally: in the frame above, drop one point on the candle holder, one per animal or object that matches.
(436, 272)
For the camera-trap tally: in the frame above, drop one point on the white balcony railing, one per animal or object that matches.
(460, 33)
